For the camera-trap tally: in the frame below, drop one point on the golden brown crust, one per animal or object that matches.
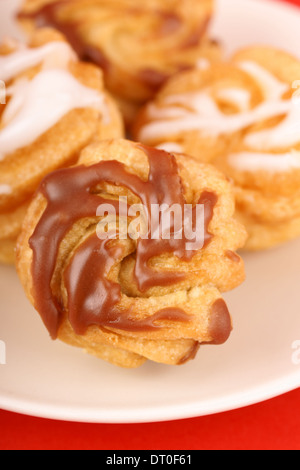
(207, 274)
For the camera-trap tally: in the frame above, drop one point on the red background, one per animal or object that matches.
(272, 425)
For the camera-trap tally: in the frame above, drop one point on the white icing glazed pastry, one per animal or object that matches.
(55, 105)
(243, 117)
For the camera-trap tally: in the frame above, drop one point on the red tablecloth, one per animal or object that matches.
(273, 425)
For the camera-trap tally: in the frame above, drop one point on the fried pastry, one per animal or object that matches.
(139, 288)
(243, 116)
(138, 45)
(54, 107)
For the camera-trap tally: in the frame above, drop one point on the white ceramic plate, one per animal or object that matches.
(49, 379)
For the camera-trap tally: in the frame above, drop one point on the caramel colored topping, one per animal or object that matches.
(220, 323)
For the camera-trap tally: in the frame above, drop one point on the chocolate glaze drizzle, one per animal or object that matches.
(220, 322)
(92, 298)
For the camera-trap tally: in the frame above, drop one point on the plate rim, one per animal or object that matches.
(155, 414)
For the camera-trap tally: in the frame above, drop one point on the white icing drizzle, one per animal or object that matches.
(206, 116)
(236, 97)
(37, 105)
(5, 189)
(286, 133)
(270, 162)
(53, 54)
(153, 112)
(199, 111)
(170, 147)
(272, 88)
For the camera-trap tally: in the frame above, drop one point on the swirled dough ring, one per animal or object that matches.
(128, 299)
(243, 116)
(139, 45)
(55, 106)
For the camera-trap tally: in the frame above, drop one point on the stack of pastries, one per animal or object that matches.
(202, 132)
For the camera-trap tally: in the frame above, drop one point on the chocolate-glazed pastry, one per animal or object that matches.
(143, 295)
